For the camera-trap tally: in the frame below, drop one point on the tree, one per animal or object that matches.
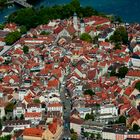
(0, 124)
(36, 101)
(71, 130)
(86, 37)
(26, 49)
(89, 92)
(2, 26)
(118, 19)
(98, 136)
(120, 36)
(113, 73)
(137, 85)
(92, 135)
(32, 17)
(16, 118)
(135, 127)
(4, 118)
(89, 116)
(122, 72)
(75, 5)
(8, 137)
(74, 136)
(9, 107)
(22, 117)
(45, 33)
(12, 37)
(86, 134)
(10, 118)
(117, 46)
(3, 2)
(23, 29)
(122, 119)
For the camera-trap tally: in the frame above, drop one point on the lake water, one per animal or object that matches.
(129, 10)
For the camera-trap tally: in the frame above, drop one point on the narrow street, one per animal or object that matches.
(66, 110)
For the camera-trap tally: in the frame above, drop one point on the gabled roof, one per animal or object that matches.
(32, 114)
(55, 105)
(34, 132)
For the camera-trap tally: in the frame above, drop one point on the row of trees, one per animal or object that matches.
(31, 17)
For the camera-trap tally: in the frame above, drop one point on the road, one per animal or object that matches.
(66, 113)
(5, 49)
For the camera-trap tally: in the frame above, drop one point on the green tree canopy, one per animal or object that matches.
(32, 17)
(3, 2)
(26, 49)
(122, 72)
(98, 136)
(92, 135)
(45, 33)
(9, 107)
(89, 92)
(74, 136)
(75, 4)
(23, 29)
(12, 37)
(89, 116)
(137, 85)
(8, 137)
(22, 117)
(36, 101)
(0, 124)
(122, 119)
(2, 26)
(135, 127)
(86, 37)
(120, 36)
(86, 134)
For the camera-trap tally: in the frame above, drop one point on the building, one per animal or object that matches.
(17, 124)
(33, 134)
(55, 107)
(76, 124)
(108, 109)
(54, 130)
(119, 133)
(19, 110)
(34, 117)
(34, 107)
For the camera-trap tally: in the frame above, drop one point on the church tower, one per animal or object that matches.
(82, 26)
(75, 21)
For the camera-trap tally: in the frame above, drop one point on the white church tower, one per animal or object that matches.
(75, 21)
(82, 26)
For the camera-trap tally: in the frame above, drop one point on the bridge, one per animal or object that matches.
(23, 3)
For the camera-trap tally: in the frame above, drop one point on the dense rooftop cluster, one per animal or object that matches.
(52, 60)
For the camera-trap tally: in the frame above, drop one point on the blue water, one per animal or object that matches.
(129, 10)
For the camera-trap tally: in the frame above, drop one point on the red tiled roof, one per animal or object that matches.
(133, 73)
(55, 105)
(128, 91)
(32, 114)
(35, 132)
(53, 127)
(76, 120)
(58, 29)
(53, 83)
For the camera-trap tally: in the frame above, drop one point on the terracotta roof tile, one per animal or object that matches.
(34, 132)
